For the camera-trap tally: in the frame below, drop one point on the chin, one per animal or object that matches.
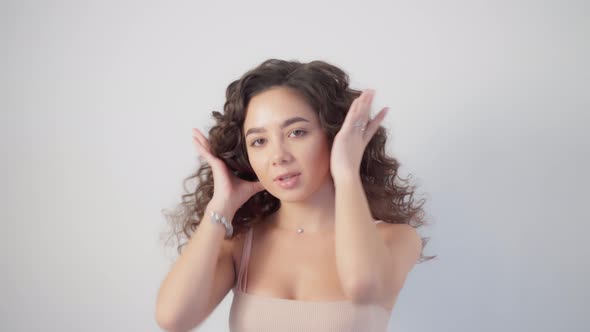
(289, 195)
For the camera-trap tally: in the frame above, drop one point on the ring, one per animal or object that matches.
(360, 124)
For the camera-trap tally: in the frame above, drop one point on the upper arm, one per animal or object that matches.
(224, 277)
(404, 246)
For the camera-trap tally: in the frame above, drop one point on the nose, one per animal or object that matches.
(280, 154)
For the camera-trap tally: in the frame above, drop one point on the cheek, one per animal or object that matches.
(256, 164)
(259, 165)
(318, 155)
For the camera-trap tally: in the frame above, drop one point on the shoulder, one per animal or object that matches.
(391, 229)
(401, 238)
(401, 251)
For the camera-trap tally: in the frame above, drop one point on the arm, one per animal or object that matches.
(368, 263)
(205, 266)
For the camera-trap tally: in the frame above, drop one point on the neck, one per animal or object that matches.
(314, 214)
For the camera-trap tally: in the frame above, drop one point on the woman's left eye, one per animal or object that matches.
(303, 132)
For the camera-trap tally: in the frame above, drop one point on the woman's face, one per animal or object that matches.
(283, 134)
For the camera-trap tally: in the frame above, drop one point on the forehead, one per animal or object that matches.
(272, 106)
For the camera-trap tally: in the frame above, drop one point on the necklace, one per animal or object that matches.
(300, 230)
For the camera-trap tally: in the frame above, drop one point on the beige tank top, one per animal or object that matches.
(257, 313)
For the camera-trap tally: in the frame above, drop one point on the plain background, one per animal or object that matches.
(489, 113)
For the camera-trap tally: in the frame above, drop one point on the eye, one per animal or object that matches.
(254, 141)
(303, 132)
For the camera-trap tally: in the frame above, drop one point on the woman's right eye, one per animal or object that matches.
(254, 141)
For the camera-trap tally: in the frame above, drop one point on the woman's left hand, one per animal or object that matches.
(354, 135)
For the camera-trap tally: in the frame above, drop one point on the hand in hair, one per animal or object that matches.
(352, 139)
(227, 186)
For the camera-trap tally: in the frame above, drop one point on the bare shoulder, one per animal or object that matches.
(401, 237)
(391, 228)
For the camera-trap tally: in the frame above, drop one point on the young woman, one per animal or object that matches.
(298, 210)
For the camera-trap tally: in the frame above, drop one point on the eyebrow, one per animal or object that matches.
(286, 123)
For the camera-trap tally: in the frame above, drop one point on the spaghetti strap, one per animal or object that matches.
(243, 273)
(378, 221)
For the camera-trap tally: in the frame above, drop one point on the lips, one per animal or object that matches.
(285, 175)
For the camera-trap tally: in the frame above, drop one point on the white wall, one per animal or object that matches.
(489, 111)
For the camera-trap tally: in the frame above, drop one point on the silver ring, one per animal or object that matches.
(360, 124)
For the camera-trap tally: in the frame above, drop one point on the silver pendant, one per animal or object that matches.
(300, 230)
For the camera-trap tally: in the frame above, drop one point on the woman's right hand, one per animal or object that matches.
(227, 186)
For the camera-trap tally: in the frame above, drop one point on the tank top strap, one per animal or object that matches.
(245, 259)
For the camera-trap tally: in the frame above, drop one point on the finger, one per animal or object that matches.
(206, 153)
(360, 110)
(200, 149)
(202, 139)
(197, 133)
(373, 126)
(213, 161)
(367, 100)
(351, 113)
(197, 141)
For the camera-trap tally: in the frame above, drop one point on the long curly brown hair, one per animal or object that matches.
(326, 89)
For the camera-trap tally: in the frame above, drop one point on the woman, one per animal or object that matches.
(303, 220)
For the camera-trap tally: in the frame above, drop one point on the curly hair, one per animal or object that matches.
(326, 88)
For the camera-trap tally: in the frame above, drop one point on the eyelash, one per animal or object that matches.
(304, 132)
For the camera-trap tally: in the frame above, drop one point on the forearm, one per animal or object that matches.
(357, 241)
(185, 291)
